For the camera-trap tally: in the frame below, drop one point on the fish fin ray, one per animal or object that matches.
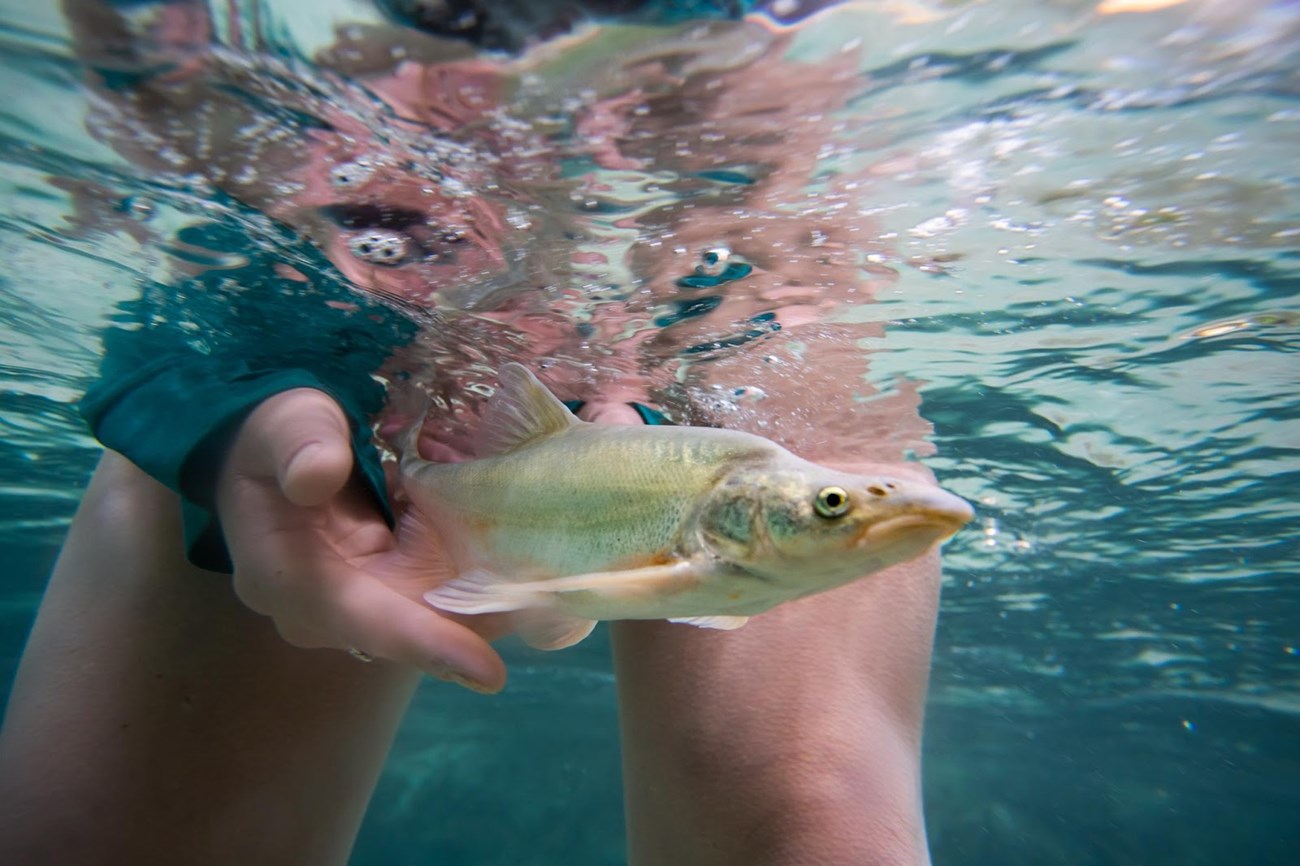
(478, 591)
(408, 441)
(623, 585)
(726, 623)
(482, 591)
(521, 411)
(419, 546)
(549, 630)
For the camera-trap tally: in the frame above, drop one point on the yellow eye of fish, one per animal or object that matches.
(832, 502)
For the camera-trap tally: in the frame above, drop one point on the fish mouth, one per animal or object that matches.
(915, 528)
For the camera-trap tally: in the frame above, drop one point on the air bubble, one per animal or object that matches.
(352, 174)
(518, 219)
(379, 247)
(713, 261)
(139, 208)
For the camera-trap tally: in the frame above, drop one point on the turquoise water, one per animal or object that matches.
(1073, 232)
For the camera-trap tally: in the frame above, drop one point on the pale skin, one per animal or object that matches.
(158, 717)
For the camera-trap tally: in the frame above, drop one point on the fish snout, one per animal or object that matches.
(916, 509)
(938, 503)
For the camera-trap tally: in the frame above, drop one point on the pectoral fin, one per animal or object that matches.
(481, 591)
(478, 591)
(628, 585)
(721, 622)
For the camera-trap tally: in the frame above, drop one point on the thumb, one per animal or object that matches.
(301, 438)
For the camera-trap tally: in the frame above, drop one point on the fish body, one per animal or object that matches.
(569, 522)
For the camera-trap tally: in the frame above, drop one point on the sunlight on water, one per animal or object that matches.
(1068, 229)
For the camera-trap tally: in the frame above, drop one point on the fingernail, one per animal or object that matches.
(446, 674)
(472, 685)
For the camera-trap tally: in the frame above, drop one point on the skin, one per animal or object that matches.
(795, 739)
(311, 552)
(797, 734)
(156, 719)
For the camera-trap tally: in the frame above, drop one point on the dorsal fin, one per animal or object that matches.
(521, 411)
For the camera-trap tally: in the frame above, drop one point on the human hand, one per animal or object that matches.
(312, 551)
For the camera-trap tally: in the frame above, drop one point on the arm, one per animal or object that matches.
(184, 367)
(279, 483)
(795, 739)
(157, 719)
(187, 362)
(213, 387)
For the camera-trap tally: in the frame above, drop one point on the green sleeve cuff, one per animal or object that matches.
(202, 415)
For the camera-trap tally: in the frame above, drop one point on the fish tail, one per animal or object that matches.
(420, 545)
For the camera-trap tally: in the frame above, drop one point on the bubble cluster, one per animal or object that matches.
(352, 174)
(380, 247)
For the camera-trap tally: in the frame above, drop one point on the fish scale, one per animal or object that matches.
(581, 502)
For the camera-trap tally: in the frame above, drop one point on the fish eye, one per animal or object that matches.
(832, 502)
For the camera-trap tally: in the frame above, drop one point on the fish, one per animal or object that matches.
(564, 523)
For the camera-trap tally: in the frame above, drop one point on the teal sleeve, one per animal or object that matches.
(184, 365)
(175, 422)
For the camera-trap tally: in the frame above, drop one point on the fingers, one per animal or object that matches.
(300, 438)
(334, 605)
(300, 538)
(384, 623)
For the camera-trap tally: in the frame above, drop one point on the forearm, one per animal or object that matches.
(795, 739)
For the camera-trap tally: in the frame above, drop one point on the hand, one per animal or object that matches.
(312, 551)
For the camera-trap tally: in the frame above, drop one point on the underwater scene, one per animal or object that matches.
(1049, 249)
